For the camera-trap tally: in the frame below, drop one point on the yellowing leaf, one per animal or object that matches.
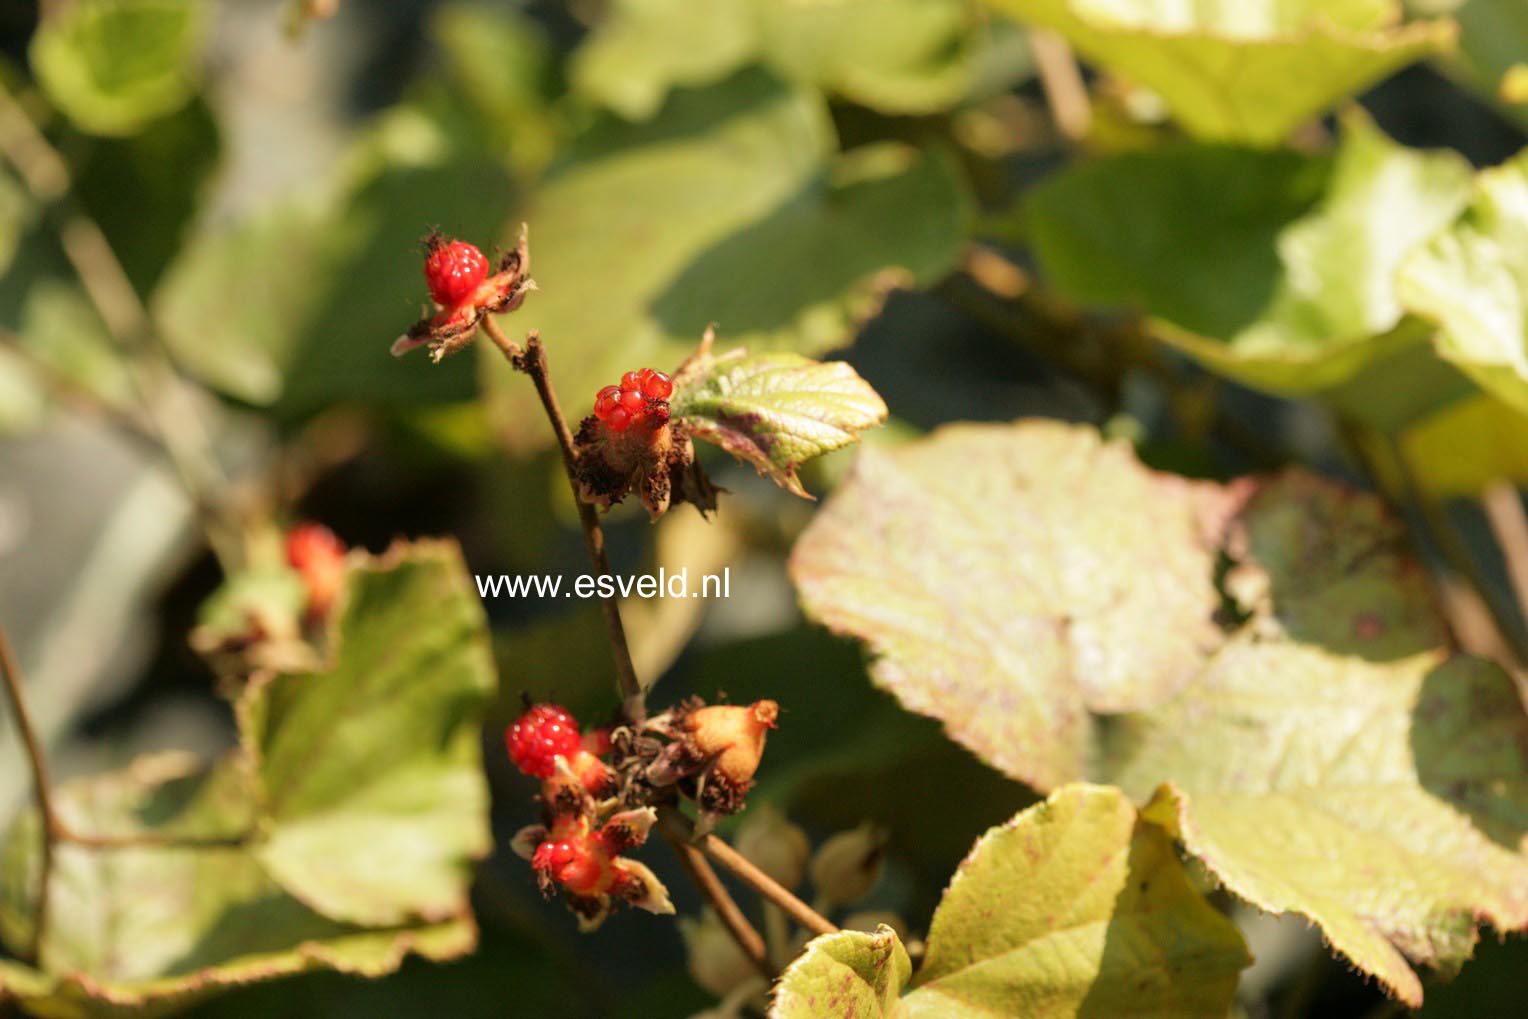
(1074, 908)
(1001, 588)
(369, 771)
(776, 411)
(1242, 70)
(848, 973)
(1316, 744)
(1472, 280)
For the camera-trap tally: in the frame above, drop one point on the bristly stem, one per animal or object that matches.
(41, 787)
(676, 825)
(532, 361)
(743, 932)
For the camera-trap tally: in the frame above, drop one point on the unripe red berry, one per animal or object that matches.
(605, 401)
(633, 401)
(538, 737)
(631, 381)
(314, 551)
(453, 270)
(656, 385)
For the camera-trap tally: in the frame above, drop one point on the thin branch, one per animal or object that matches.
(532, 361)
(743, 932)
(176, 427)
(41, 786)
(1504, 509)
(676, 824)
(1061, 79)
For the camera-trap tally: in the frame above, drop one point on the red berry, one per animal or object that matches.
(656, 385)
(633, 401)
(313, 551)
(579, 864)
(454, 269)
(631, 381)
(619, 419)
(539, 736)
(605, 401)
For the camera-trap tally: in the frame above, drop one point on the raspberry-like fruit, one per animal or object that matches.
(539, 736)
(314, 552)
(656, 385)
(579, 864)
(454, 269)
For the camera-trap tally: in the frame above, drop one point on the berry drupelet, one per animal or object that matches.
(641, 397)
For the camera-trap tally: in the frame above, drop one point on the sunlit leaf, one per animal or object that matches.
(147, 930)
(1242, 70)
(896, 56)
(1074, 908)
(728, 208)
(1318, 748)
(115, 65)
(848, 973)
(374, 803)
(1472, 280)
(775, 411)
(1275, 269)
(1018, 593)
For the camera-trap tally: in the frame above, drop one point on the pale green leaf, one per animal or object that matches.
(850, 973)
(1320, 749)
(896, 56)
(1242, 70)
(1472, 280)
(775, 411)
(729, 208)
(374, 802)
(1075, 909)
(1018, 593)
(115, 65)
(1275, 269)
(148, 930)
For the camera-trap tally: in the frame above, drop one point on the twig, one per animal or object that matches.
(1065, 91)
(532, 361)
(1504, 510)
(159, 388)
(42, 788)
(677, 825)
(743, 932)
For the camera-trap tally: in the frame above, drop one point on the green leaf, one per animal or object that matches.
(850, 973)
(148, 930)
(1011, 649)
(1272, 268)
(775, 411)
(1341, 764)
(1242, 70)
(729, 208)
(1074, 908)
(1472, 280)
(115, 65)
(374, 802)
(895, 56)
(282, 308)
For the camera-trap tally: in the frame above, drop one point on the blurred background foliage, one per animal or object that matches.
(859, 176)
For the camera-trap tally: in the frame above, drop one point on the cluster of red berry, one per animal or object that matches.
(641, 396)
(574, 849)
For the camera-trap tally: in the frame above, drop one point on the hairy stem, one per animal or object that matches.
(41, 787)
(743, 932)
(676, 825)
(532, 361)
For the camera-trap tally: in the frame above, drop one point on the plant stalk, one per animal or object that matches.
(743, 932)
(42, 789)
(532, 361)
